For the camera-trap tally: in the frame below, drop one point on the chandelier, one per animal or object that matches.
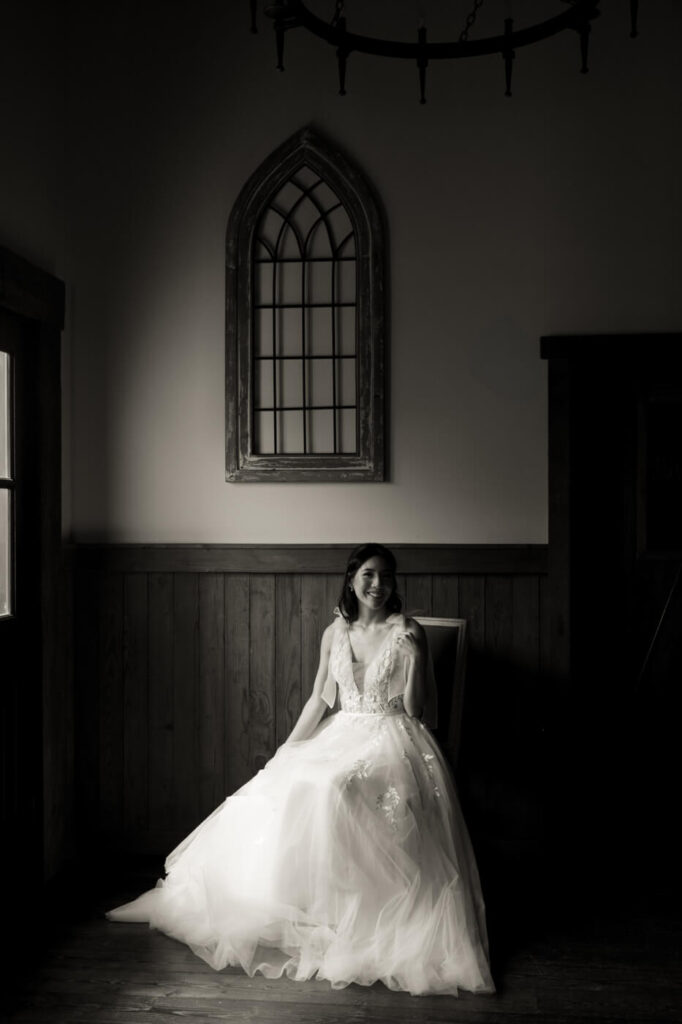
(577, 16)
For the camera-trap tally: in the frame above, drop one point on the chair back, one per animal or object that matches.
(447, 640)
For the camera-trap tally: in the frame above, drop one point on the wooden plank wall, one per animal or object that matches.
(188, 677)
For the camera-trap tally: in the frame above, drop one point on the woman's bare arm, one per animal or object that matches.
(315, 707)
(413, 645)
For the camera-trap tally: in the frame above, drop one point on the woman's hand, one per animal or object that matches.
(407, 643)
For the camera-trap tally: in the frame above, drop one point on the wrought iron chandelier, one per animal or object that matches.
(578, 15)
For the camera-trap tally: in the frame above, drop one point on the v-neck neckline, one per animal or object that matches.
(380, 649)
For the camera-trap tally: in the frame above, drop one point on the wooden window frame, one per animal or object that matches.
(368, 462)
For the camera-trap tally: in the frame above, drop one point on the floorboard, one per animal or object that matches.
(601, 968)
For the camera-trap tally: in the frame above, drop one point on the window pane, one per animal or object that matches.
(304, 177)
(320, 390)
(345, 382)
(289, 324)
(269, 228)
(305, 216)
(287, 196)
(340, 225)
(5, 553)
(264, 437)
(290, 432)
(4, 416)
(320, 431)
(319, 331)
(262, 279)
(347, 247)
(264, 398)
(262, 342)
(289, 282)
(318, 244)
(290, 382)
(319, 281)
(347, 439)
(345, 330)
(289, 245)
(325, 196)
(345, 281)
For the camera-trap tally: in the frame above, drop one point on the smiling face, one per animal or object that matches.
(373, 583)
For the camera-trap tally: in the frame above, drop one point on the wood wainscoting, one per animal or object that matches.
(193, 662)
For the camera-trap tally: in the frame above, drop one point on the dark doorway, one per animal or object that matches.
(616, 620)
(34, 688)
(20, 623)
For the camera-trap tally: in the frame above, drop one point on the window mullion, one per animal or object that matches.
(304, 398)
(275, 266)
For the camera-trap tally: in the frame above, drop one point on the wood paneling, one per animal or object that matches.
(161, 704)
(312, 558)
(288, 701)
(190, 679)
(237, 681)
(135, 703)
(108, 675)
(185, 687)
(211, 690)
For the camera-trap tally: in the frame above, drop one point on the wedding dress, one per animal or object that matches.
(346, 857)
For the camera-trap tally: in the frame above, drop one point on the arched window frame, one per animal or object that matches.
(243, 463)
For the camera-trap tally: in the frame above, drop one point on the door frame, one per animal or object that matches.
(39, 298)
(569, 357)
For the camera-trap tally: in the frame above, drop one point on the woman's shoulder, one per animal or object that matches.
(406, 623)
(334, 627)
(412, 626)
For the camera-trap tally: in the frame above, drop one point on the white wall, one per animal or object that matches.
(556, 211)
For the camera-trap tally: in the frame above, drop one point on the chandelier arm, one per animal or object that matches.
(279, 36)
(297, 14)
(341, 54)
(422, 62)
(508, 55)
(634, 11)
(584, 33)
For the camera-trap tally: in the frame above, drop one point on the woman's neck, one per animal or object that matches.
(369, 619)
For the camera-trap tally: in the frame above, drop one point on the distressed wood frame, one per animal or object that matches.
(368, 463)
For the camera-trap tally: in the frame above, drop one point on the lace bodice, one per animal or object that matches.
(381, 693)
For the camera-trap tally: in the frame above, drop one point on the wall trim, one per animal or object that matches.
(501, 559)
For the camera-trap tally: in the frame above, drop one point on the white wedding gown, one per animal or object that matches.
(345, 858)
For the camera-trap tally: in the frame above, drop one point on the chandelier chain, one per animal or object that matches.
(471, 18)
(338, 12)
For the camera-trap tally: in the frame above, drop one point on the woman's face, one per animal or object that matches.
(373, 583)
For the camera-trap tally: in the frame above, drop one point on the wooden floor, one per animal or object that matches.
(611, 967)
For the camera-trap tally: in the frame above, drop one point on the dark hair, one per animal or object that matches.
(348, 602)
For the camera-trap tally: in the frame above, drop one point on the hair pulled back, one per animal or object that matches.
(348, 602)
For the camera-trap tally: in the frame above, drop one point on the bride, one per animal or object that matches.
(346, 857)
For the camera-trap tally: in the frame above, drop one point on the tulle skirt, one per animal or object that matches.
(345, 858)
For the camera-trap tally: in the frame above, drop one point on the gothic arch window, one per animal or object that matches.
(305, 320)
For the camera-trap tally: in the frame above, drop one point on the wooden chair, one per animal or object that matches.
(447, 640)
